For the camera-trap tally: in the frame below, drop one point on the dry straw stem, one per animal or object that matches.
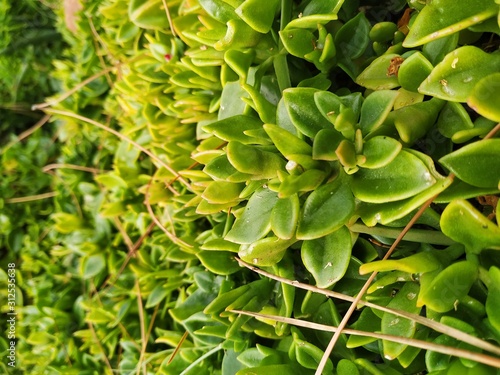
(439, 327)
(28, 132)
(82, 84)
(142, 323)
(32, 198)
(474, 356)
(172, 236)
(122, 137)
(49, 167)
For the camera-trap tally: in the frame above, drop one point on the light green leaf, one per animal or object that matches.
(327, 258)
(255, 222)
(455, 77)
(326, 210)
(477, 163)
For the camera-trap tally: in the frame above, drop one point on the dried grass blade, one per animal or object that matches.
(448, 350)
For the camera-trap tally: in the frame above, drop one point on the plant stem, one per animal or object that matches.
(414, 235)
(280, 63)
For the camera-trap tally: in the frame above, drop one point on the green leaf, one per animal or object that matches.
(287, 143)
(222, 192)
(406, 300)
(493, 299)
(414, 121)
(452, 119)
(219, 10)
(477, 163)
(376, 76)
(375, 109)
(325, 143)
(265, 252)
(157, 295)
(484, 98)
(285, 216)
(234, 128)
(403, 177)
(325, 210)
(255, 222)
(303, 112)
(93, 265)
(449, 287)
(417, 263)
(413, 71)
(380, 151)
(327, 258)
(251, 160)
(219, 262)
(298, 42)
(259, 15)
(463, 223)
(146, 15)
(456, 76)
(440, 18)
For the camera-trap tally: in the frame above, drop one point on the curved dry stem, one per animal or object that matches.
(142, 324)
(172, 236)
(448, 350)
(169, 17)
(49, 167)
(28, 132)
(438, 327)
(122, 137)
(32, 198)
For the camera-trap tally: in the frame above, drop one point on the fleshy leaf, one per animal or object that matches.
(449, 286)
(255, 222)
(455, 77)
(375, 109)
(285, 216)
(380, 151)
(477, 163)
(440, 18)
(463, 223)
(406, 300)
(327, 258)
(377, 75)
(325, 210)
(265, 252)
(402, 178)
(485, 98)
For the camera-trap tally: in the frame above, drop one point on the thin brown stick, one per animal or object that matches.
(123, 232)
(169, 17)
(32, 198)
(130, 254)
(142, 324)
(178, 347)
(28, 132)
(70, 92)
(172, 236)
(439, 327)
(49, 167)
(456, 352)
(101, 348)
(97, 40)
(492, 132)
(122, 137)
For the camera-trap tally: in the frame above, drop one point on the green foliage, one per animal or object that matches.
(290, 133)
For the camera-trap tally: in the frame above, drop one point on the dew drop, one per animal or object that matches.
(394, 322)
(467, 79)
(255, 260)
(378, 217)
(411, 296)
(454, 63)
